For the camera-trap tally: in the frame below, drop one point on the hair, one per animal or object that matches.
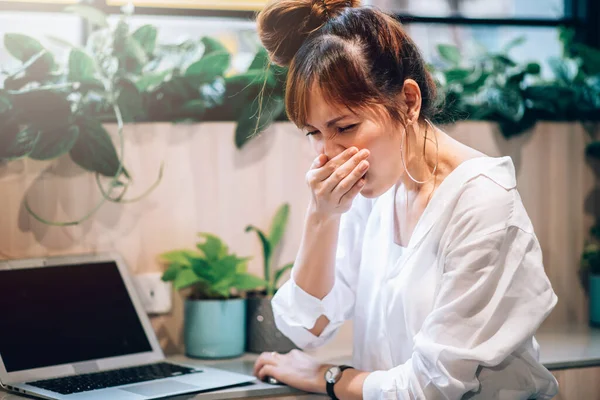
(357, 56)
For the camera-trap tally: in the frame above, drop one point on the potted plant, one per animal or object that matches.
(215, 311)
(263, 335)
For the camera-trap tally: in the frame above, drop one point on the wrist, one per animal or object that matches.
(318, 218)
(321, 384)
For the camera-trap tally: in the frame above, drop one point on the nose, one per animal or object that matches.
(332, 148)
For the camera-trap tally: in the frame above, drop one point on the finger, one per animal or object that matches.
(263, 359)
(351, 179)
(265, 371)
(345, 170)
(322, 173)
(319, 161)
(358, 186)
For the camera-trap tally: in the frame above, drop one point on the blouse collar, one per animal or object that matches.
(499, 169)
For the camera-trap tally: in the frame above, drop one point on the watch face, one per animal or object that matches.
(332, 375)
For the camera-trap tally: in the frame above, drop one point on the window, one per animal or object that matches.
(476, 8)
(41, 26)
(238, 35)
(254, 5)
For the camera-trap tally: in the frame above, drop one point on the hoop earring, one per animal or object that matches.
(437, 154)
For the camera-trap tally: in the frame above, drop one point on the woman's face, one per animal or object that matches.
(332, 129)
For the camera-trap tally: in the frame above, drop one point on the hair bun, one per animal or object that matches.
(283, 25)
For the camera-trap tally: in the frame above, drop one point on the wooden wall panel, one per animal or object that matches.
(210, 186)
(578, 383)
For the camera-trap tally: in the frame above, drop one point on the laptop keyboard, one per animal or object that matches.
(118, 377)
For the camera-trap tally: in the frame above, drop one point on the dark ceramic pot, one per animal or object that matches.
(262, 334)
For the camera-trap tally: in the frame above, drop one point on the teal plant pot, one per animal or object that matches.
(594, 290)
(215, 328)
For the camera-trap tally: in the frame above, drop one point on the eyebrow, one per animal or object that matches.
(331, 122)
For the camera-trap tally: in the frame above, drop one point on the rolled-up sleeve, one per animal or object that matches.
(492, 297)
(296, 311)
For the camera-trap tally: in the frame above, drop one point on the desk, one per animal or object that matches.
(571, 353)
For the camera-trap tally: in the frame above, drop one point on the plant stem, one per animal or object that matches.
(104, 198)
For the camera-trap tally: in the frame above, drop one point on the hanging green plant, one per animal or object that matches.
(493, 87)
(49, 109)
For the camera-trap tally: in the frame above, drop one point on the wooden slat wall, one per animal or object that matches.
(210, 186)
(578, 383)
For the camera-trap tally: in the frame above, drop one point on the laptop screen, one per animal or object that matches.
(66, 314)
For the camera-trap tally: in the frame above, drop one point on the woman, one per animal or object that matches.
(436, 261)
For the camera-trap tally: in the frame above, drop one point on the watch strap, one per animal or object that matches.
(329, 385)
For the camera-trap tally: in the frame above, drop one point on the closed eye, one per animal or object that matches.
(340, 129)
(346, 128)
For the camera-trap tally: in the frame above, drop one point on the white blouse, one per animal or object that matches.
(453, 314)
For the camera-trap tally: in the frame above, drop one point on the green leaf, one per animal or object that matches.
(151, 80)
(194, 108)
(260, 61)
(254, 79)
(15, 143)
(42, 108)
(212, 45)
(94, 149)
(22, 47)
(504, 61)
(457, 74)
(266, 244)
(135, 51)
(180, 257)
(245, 282)
(242, 265)
(130, 101)
(593, 150)
(248, 126)
(508, 102)
(93, 15)
(590, 58)
(226, 268)
(279, 224)
(564, 70)
(37, 68)
(475, 82)
(514, 43)
(449, 53)
(208, 68)
(267, 250)
(171, 273)
(55, 143)
(533, 68)
(91, 85)
(204, 269)
(213, 248)
(5, 104)
(212, 94)
(81, 66)
(280, 273)
(186, 278)
(146, 37)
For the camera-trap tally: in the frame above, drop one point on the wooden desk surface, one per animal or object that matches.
(570, 352)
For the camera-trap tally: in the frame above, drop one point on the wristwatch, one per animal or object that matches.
(332, 376)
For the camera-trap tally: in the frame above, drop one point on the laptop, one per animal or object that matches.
(73, 328)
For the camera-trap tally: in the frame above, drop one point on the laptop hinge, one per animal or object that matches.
(86, 368)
